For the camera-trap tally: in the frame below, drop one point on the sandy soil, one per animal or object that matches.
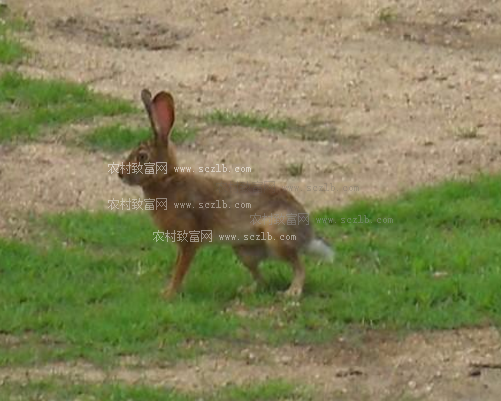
(409, 102)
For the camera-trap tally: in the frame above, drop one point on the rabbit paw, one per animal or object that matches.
(293, 292)
(169, 294)
(248, 290)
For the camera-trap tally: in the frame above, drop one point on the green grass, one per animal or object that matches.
(228, 118)
(29, 107)
(11, 50)
(57, 390)
(117, 138)
(91, 282)
(314, 130)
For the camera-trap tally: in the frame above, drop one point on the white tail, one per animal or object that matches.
(319, 247)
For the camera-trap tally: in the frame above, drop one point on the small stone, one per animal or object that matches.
(285, 360)
(212, 78)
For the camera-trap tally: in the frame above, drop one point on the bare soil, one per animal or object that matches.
(412, 94)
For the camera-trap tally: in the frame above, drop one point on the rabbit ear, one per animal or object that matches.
(146, 97)
(147, 101)
(160, 111)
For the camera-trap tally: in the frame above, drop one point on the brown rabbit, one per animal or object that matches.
(254, 240)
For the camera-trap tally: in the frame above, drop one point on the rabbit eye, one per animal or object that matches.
(142, 157)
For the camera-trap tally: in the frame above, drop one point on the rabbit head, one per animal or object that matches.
(154, 159)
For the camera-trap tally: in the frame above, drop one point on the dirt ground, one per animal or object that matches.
(456, 365)
(411, 94)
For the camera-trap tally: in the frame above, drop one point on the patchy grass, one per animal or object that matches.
(314, 131)
(387, 15)
(29, 107)
(13, 21)
(118, 138)
(91, 282)
(11, 50)
(248, 120)
(268, 391)
(57, 390)
(294, 169)
(470, 132)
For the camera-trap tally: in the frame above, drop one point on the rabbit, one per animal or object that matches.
(254, 240)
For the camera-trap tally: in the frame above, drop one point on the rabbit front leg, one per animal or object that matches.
(185, 255)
